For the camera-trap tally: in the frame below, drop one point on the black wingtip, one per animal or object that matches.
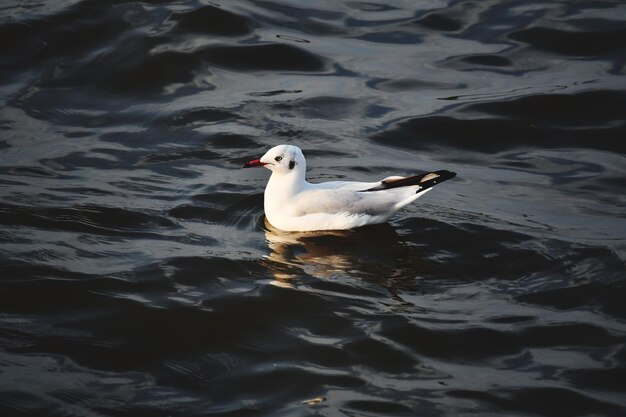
(445, 174)
(424, 181)
(442, 175)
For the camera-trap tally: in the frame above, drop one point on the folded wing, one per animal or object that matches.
(382, 198)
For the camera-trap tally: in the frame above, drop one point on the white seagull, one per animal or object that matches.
(294, 204)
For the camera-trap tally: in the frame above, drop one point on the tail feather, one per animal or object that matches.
(424, 181)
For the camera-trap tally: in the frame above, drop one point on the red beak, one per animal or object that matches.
(253, 163)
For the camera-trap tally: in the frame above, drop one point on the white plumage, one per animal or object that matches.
(294, 204)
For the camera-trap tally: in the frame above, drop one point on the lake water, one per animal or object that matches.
(138, 277)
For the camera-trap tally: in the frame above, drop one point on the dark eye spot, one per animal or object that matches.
(278, 158)
(292, 164)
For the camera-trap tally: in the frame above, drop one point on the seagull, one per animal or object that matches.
(293, 204)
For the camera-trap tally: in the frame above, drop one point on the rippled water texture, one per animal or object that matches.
(138, 277)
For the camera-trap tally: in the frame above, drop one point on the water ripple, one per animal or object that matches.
(140, 277)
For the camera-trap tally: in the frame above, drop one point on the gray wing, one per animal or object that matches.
(335, 201)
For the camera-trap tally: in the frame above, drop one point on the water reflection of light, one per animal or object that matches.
(375, 253)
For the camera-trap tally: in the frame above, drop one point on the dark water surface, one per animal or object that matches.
(138, 277)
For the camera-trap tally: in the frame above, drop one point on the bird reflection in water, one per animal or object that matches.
(376, 254)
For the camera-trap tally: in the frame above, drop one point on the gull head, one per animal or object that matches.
(281, 159)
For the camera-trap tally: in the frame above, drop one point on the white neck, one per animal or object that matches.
(281, 188)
